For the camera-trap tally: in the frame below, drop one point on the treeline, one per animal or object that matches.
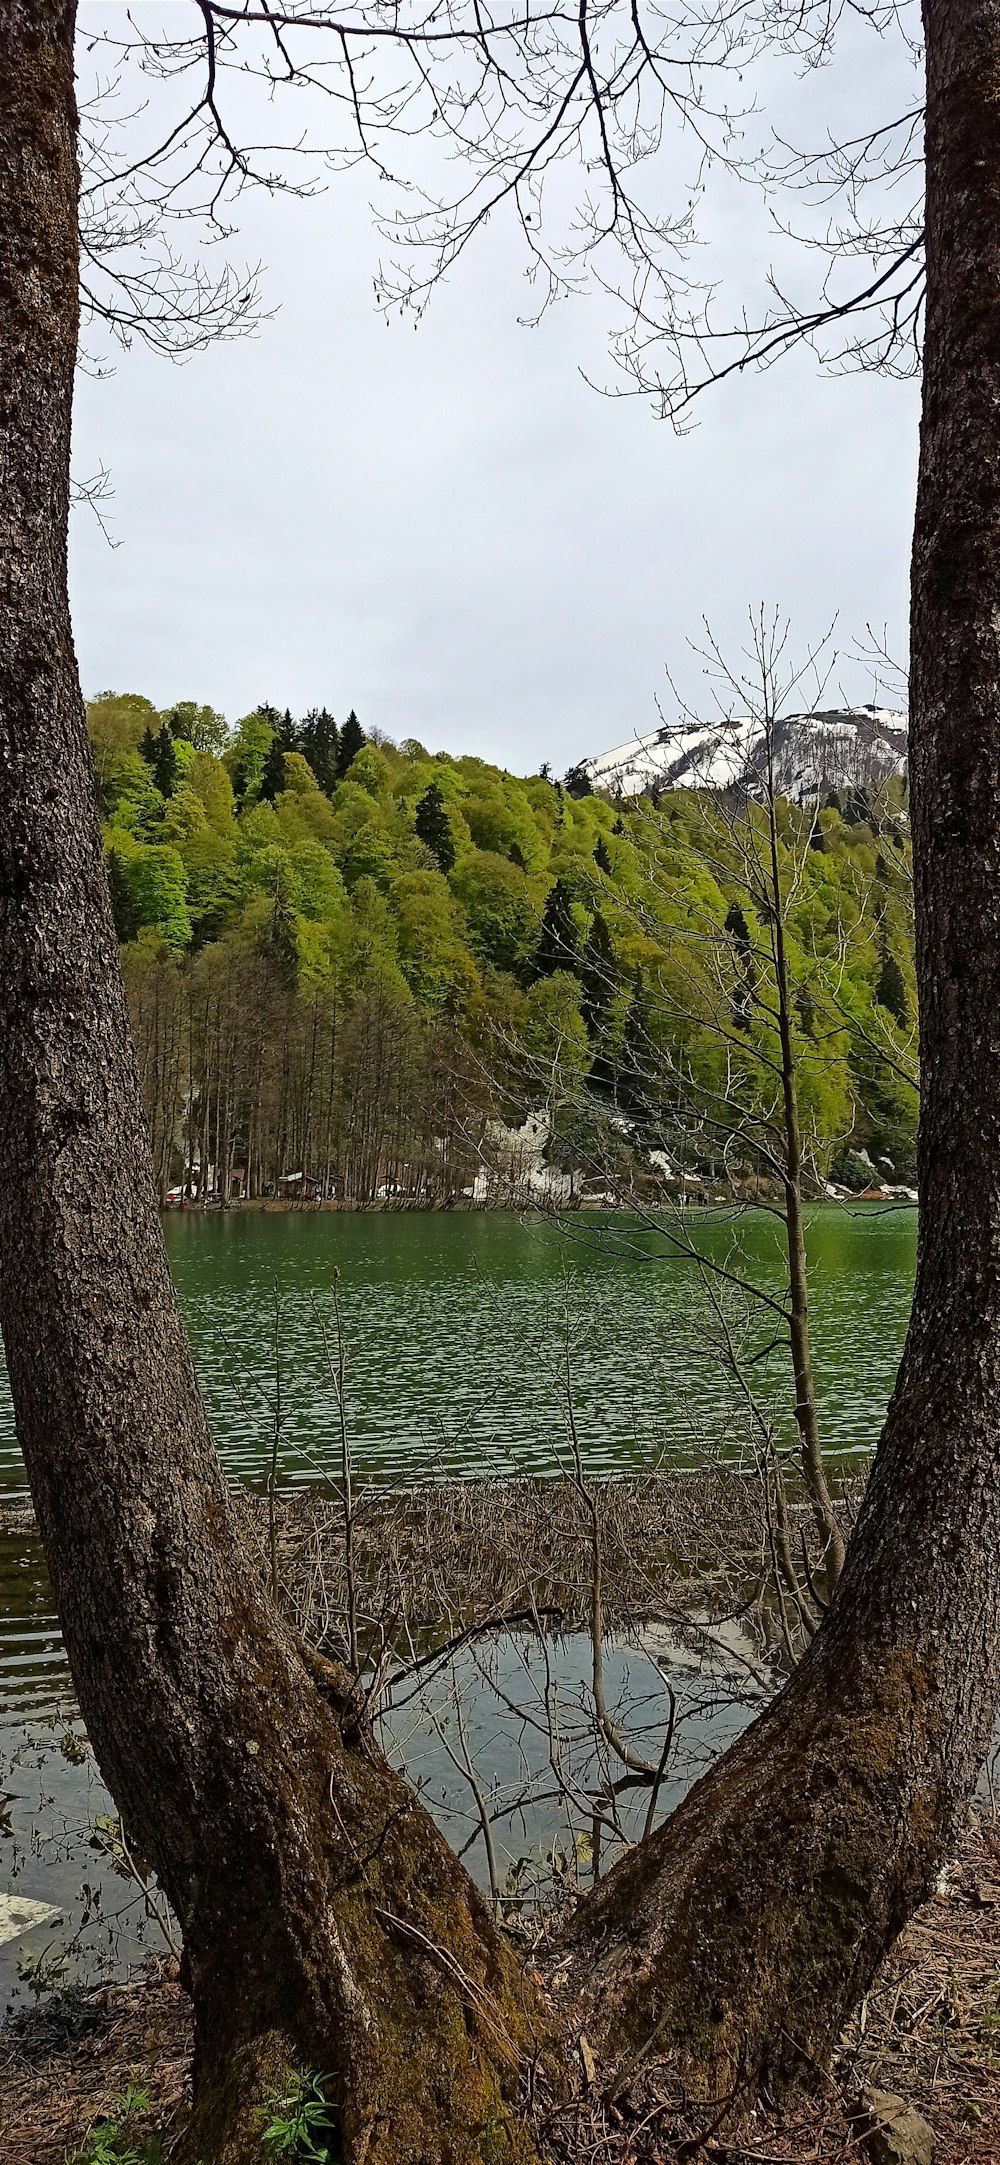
(345, 957)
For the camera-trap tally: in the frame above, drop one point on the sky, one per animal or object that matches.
(443, 526)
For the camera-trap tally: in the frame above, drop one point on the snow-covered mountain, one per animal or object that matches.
(833, 748)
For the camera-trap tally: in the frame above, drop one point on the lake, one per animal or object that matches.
(458, 1331)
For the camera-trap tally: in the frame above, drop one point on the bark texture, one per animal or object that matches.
(326, 1924)
(745, 1930)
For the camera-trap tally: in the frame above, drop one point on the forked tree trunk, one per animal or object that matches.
(747, 1928)
(326, 1923)
(324, 1920)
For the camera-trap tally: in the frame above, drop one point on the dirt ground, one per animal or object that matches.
(929, 2031)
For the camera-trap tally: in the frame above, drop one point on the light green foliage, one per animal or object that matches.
(156, 885)
(370, 852)
(127, 792)
(246, 756)
(116, 722)
(340, 887)
(200, 726)
(501, 911)
(318, 890)
(555, 1034)
(210, 782)
(184, 817)
(436, 963)
(300, 780)
(371, 771)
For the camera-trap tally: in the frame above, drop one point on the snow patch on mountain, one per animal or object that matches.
(831, 748)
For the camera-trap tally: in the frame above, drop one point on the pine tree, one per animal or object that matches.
(123, 904)
(165, 762)
(746, 980)
(559, 944)
(273, 781)
(637, 1069)
(352, 737)
(598, 976)
(287, 733)
(434, 827)
(577, 782)
(319, 740)
(147, 747)
(890, 988)
(601, 857)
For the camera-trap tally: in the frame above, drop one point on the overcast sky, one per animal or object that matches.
(445, 528)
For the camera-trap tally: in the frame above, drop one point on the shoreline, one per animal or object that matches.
(464, 1206)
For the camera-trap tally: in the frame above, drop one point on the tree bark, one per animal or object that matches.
(326, 1924)
(744, 1931)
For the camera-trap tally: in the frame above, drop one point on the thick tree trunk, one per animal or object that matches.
(745, 1930)
(326, 1924)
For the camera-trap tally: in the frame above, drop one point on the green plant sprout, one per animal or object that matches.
(113, 2141)
(299, 2124)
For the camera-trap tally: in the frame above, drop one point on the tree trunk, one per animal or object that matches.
(744, 1931)
(326, 1924)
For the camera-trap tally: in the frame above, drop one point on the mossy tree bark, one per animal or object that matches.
(325, 1922)
(745, 1930)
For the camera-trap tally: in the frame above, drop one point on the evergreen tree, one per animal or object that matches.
(601, 857)
(746, 978)
(890, 988)
(577, 782)
(274, 774)
(434, 827)
(147, 747)
(352, 737)
(165, 762)
(123, 903)
(287, 734)
(635, 1083)
(598, 976)
(559, 945)
(319, 740)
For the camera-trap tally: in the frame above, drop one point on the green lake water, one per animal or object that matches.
(457, 1330)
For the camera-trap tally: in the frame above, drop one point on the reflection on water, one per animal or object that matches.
(517, 1709)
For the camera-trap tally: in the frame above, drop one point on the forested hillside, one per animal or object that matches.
(346, 957)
